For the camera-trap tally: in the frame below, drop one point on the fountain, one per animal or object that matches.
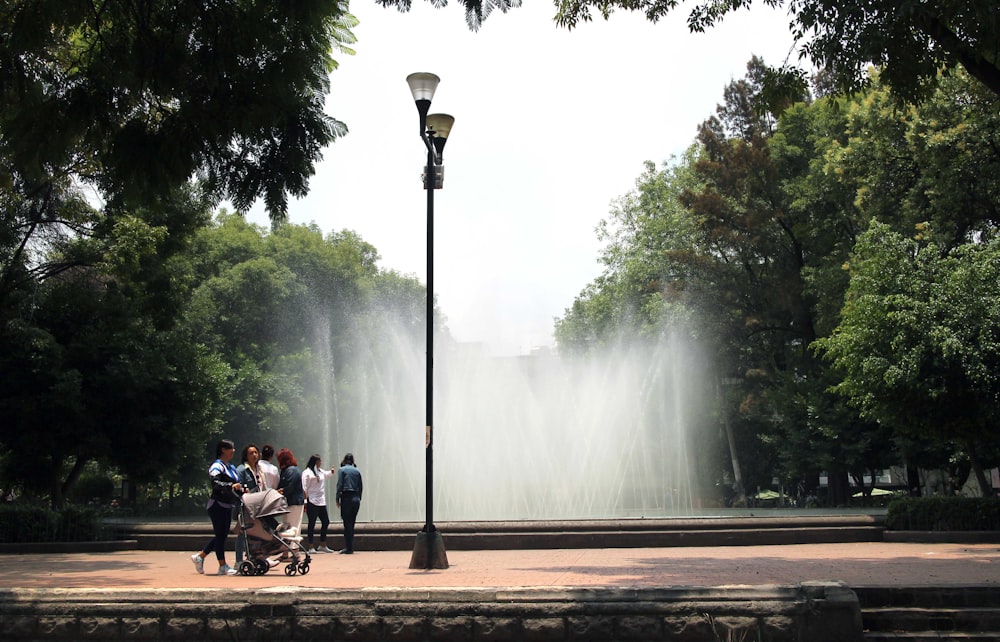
(535, 437)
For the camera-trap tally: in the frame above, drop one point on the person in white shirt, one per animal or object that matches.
(314, 487)
(271, 472)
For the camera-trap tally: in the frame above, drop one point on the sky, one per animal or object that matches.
(551, 128)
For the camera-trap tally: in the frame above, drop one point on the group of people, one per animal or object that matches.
(302, 489)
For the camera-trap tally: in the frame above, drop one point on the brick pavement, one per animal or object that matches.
(856, 564)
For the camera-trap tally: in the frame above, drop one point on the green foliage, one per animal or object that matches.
(943, 514)
(918, 343)
(93, 488)
(174, 340)
(135, 98)
(290, 313)
(910, 40)
(937, 163)
(93, 359)
(21, 524)
(751, 235)
(476, 11)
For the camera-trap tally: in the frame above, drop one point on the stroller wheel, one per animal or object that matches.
(291, 569)
(304, 568)
(246, 568)
(261, 566)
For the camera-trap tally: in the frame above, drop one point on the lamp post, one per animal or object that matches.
(429, 551)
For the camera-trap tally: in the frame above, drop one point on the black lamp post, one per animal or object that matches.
(429, 551)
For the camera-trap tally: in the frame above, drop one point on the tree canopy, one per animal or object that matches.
(252, 333)
(909, 40)
(138, 96)
(919, 342)
(748, 234)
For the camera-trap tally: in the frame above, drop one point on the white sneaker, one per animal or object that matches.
(311, 551)
(324, 549)
(226, 569)
(199, 563)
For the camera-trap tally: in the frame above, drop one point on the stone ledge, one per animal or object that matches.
(608, 533)
(814, 611)
(942, 537)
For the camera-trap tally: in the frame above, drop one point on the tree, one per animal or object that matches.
(748, 234)
(938, 162)
(297, 318)
(919, 341)
(137, 96)
(476, 11)
(94, 370)
(124, 102)
(909, 40)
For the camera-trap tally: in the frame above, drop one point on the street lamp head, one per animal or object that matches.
(438, 128)
(422, 86)
(440, 124)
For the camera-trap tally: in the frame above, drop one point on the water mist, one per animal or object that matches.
(536, 437)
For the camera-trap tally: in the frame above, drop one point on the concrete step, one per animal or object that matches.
(931, 619)
(171, 536)
(982, 596)
(930, 613)
(932, 636)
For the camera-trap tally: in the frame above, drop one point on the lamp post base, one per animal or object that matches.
(428, 552)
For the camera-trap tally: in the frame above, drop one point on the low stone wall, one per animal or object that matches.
(808, 612)
(607, 533)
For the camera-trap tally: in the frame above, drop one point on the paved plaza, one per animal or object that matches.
(857, 564)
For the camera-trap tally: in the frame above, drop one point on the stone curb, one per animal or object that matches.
(814, 611)
(943, 537)
(635, 533)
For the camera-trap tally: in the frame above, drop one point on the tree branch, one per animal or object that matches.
(978, 66)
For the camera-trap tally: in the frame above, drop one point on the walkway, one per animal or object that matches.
(857, 564)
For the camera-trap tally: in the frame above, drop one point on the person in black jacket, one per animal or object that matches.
(225, 489)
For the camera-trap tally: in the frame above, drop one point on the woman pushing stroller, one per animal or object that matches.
(226, 488)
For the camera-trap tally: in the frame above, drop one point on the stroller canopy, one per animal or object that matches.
(266, 503)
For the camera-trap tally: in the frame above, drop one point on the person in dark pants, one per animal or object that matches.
(226, 488)
(348, 498)
(314, 486)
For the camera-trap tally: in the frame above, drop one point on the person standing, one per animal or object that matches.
(225, 488)
(290, 485)
(348, 498)
(271, 472)
(253, 481)
(314, 486)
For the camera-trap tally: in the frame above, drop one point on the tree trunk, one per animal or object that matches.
(913, 485)
(985, 487)
(979, 66)
(838, 486)
(741, 493)
(59, 497)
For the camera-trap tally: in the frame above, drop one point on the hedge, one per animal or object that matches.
(944, 514)
(21, 523)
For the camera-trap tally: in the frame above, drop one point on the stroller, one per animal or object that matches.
(264, 539)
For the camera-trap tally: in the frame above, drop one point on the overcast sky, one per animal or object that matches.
(551, 126)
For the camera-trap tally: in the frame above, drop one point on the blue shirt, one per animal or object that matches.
(348, 481)
(223, 476)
